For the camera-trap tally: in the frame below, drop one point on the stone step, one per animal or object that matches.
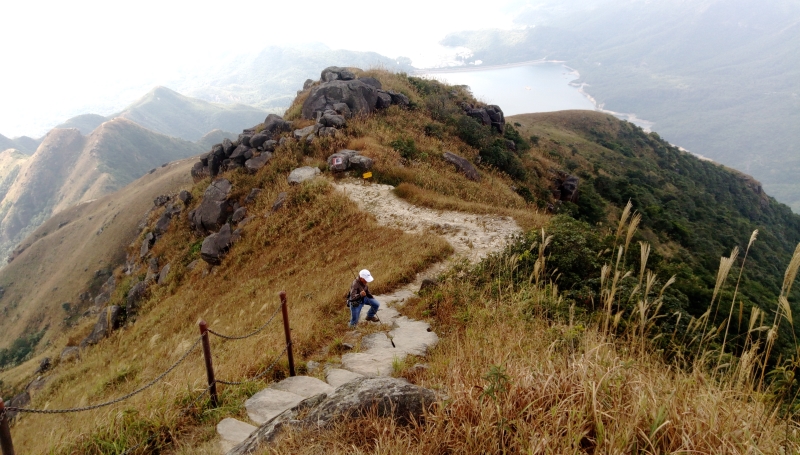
(413, 337)
(232, 432)
(270, 402)
(338, 376)
(305, 386)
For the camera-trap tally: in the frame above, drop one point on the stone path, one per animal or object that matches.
(472, 236)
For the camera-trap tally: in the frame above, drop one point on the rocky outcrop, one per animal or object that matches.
(464, 166)
(335, 73)
(566, 188)
(389, 397)
(216, 245)
(339, 92)
(70, 354)
(490, 115)
(214, 209)
(107, 321)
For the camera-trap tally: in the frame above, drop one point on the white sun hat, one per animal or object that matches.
(366, 275)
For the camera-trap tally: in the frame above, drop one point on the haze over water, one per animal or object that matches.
(540, 87)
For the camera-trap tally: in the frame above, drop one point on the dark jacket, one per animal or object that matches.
(355, 291)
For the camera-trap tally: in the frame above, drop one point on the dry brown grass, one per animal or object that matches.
(525, 384)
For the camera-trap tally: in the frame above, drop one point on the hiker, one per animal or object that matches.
(360, 295)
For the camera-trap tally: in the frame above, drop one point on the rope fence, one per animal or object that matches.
(6, 444)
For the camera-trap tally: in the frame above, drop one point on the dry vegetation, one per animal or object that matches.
(523, 371)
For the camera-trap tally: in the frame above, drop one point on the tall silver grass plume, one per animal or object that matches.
(669, 283)
(785, 308)
(725, 265)
(791, 271)
(752, 238)
(626, 212)
(644, 254)
(634, 224)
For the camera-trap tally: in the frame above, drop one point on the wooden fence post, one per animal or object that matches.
(6, 444)
(212, 383)
(286, 330)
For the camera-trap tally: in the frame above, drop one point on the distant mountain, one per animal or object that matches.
(719, 77)
(270, 79)
(23, 144)
(85, 123)
(58, 260)
(69, 168)
(215, 137)
(168, 112)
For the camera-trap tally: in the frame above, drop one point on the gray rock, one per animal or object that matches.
(199, 171)
(254, 164)
(342, 109)
(149, 238)
(227, 147)
(480, 115)
(275, 124)
(305, 386)
(337, 376)
(302, 174)
(360, 163)
(567, 188)
(101, 299)
(280, 201)
(339, 162)
(384, 100)
(163, 223)
(254, 192)
(162, 276)
(244, 140)
(192, 265)
(236, 235)
(303, 132)
(399, 99)
(233, 432)
(134, 296)
(428, 283)
(333, 120)
(108, 320)
(463, 165)
(161, 200)
(70, 354)
(269, 146)
(390, 397)
(283, 140)
(238, 154)
(371, 81)
(258, 140)
(268, 403)
(216, 245)
(497, 117)
(307, 84)
(19, 401)
(185, 197)
(312, 366)
(239, 215)
(359, 97)
(334, 73)
(511, 145)
(45, 365)
(212, 212)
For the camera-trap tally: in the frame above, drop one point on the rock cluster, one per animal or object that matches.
(565, 187)
(345, 160)
(489, 115)
(252, 150)
(340, 94)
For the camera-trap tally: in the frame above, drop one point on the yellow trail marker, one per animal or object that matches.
(367, 175)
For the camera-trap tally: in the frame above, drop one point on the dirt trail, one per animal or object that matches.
(472, 236)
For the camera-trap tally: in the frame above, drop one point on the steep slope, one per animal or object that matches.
(69, 168)
(167, 112)
(60, 259)
(719, 78)
(23, 144)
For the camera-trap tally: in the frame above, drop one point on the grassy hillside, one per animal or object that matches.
(717, 77)
(69, 168)
(538, 353)
(85, 123)
(167, 112)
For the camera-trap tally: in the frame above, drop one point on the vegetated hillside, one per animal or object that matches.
(517, 357)
(168, 112)
(271, 78)
(719, 78)
(693, 211)
(73, 252)
(85, 123)
(69, 168)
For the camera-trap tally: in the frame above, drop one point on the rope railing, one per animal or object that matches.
(6, 445)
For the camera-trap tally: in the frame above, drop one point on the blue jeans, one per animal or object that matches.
(355, 311)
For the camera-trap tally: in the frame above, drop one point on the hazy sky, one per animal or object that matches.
(61, 56)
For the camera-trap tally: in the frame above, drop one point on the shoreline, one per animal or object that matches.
(467, 69)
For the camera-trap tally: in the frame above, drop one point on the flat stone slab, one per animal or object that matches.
(376, 340)
(412, 336)
(232, 432)
(305, 386)
(373, 363)
(268, 403)
(337, 377)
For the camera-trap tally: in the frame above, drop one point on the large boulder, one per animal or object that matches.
(332, 120)
(359, 97)
(371, 81)
(335, 73)
(463, 165)
(360, 163)
(21, 400)
(216, 245)
(497, 118)
(567, 188)
(254, 164)
(275, 124)
(135, 295)
(302, 174)
(303, 132)
(389, 397)
(199, 171)
(213, 211)
(108, 320)
(384, 100)
(480, 115)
